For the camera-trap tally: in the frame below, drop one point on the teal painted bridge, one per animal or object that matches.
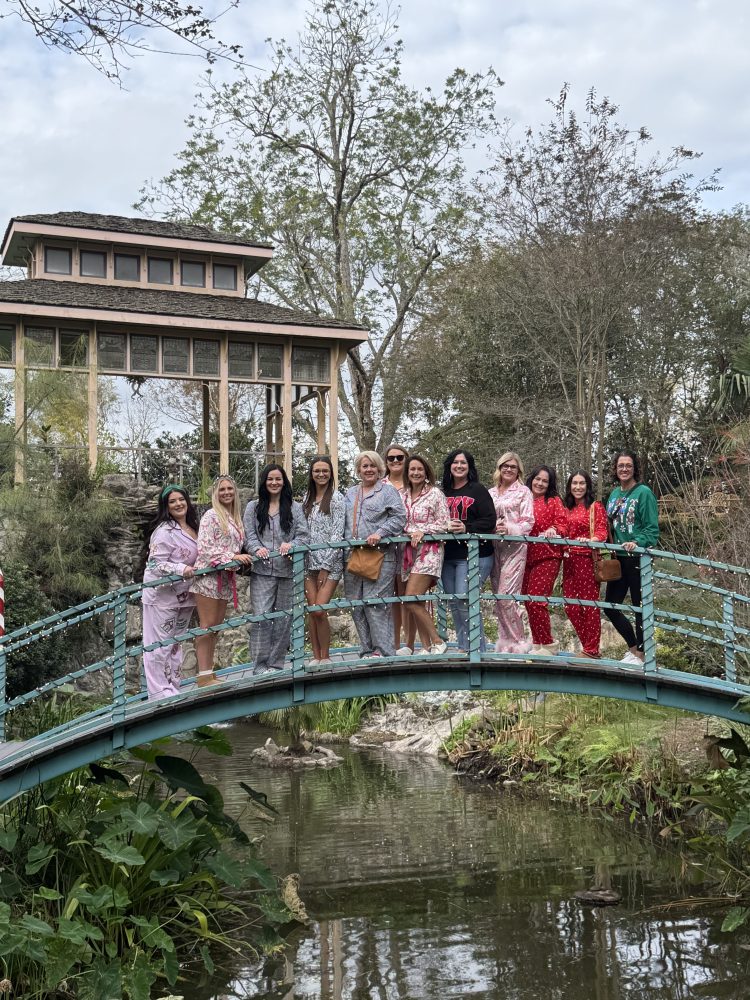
(696, 622)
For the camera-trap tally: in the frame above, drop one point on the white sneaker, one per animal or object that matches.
(325, 662)
(632, 659)
(404, 651)
(313, 663)
(439, 648)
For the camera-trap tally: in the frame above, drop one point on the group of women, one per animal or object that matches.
(398, 496)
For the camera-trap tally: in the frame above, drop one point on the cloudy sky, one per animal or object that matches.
(72, 140)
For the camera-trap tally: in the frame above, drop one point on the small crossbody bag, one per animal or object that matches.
(365, 561)
(606, 565)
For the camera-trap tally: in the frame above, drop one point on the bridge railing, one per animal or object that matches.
(727, 633)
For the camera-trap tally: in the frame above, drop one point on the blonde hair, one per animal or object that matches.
(220, 509)
(508, 456)
(373, 457)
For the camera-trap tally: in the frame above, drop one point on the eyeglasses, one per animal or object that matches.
(507, 467)
(395, 458)
(625, 468)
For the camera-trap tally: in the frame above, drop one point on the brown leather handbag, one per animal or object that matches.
(364, 561)
(606, 565)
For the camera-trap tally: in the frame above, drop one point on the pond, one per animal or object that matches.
(423, 885)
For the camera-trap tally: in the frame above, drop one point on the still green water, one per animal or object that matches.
(426, 886)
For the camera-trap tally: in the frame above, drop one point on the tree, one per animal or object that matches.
(357, 178)
(106, 33)
(588, 240)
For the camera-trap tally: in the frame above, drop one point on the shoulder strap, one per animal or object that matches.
(354, 515)
(591, 520)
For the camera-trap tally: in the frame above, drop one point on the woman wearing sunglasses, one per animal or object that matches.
(396, 460)
(514, 507)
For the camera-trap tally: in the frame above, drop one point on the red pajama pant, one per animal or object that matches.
(539, 581)
(578, 581)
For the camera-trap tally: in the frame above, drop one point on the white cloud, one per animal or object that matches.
(71, 140)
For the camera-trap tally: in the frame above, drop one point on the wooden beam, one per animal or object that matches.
(19, 396)
(93, 401)
(321, 401)
(333, 411)
(206, 436)
(224, 405)
(286, 405)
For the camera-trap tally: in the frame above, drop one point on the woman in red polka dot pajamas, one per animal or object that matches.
(587, 518)
(543, 561)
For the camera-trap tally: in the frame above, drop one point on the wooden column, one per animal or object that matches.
(19, 396)
(286, 416)
(224, 405)
(93, 400)
(321, 422)
(333, 411)
(206, 436)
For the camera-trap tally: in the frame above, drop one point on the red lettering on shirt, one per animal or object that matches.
(459, 507)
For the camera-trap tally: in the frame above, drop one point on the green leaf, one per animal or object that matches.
(38, 857)
(208, 738)
(740, 824)
(180, 773)
(8, 839)
(165, 876)
(171, 967)
(60, 960)
(144, 820)
(256, 869)
(78, 931)
(139, 979)
(208, 962)
(46, 893)
(104, 898)
(100, 775)
(176, 831)
(104, 980)
(226, 868)
(152, 934)
(273, 908)
(119, 854)
(36, 926)
(735, 918)
(10, 885)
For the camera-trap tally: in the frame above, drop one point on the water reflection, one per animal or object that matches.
(425, 887)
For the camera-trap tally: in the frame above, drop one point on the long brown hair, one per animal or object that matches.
(312, 489)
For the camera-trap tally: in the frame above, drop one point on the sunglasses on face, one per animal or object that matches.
(395, 458)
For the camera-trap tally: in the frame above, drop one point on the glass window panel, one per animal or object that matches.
(270, 361)
(310, 365)
(40, 346)
(175, 355)
(93, 264)
(241, 359)
(205, 357)
(225, 276)
(74, 348)
(160, 270)
(7, 345)
(193, 274)
(111, 351)
(144, 353)
(58, 261)
(127, 267)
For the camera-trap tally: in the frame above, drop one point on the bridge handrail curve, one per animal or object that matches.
(116, 601)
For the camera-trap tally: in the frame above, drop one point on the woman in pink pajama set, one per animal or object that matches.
(167, 610)
(514, 507)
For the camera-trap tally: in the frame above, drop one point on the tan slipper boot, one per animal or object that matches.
(207, 680)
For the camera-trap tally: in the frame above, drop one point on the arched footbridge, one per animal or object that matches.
(696, 624)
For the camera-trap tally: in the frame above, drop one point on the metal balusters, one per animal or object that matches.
(730, 653)
(119, 660)
(649, 618)
(474, 589)
(299, 606)
(3, 708)
(442, 612)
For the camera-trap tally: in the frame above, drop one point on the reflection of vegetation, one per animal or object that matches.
(110, 883)
(342, 717)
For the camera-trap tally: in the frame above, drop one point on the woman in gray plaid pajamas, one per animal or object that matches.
(274, 522)
(379, 514)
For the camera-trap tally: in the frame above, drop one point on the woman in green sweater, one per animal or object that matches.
(634, 517)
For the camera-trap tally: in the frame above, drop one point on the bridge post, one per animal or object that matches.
(730, 664)
(649, 618)
(298, 625)
(476, 628)
(119, 651)
(442, 612)
(2, 694)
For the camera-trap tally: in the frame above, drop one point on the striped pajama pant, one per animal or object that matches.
(269, 640)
